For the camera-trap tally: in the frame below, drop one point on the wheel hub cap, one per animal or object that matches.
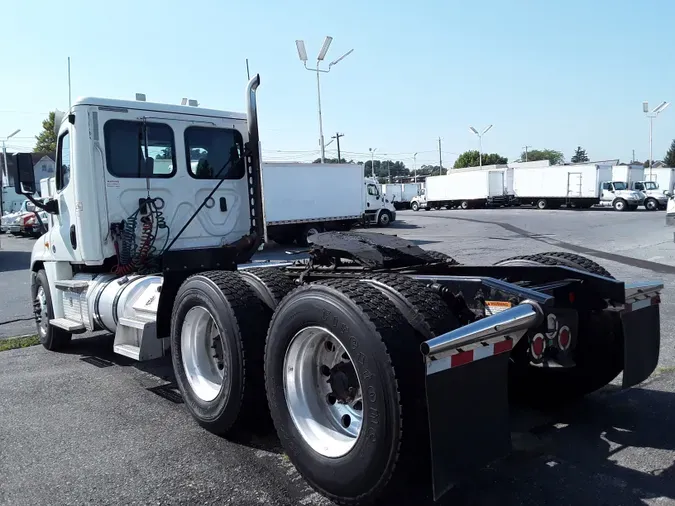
(323, 392)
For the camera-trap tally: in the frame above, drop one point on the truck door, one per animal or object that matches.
(607, 193)
(496, 183)
(574, 187)
(62, 236)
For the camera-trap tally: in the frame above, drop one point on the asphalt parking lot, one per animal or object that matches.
(88, 426)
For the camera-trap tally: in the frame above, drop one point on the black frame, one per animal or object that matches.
(106, 137)
(238, 138)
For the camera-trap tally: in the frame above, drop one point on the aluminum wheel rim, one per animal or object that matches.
(329, 428)
(43, 315)
(384, 219)
(204, 354)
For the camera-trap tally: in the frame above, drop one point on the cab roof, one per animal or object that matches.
(157, 107)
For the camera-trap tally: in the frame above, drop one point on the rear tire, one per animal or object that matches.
(270, 283)
(542, 204)
(465, 204)
(382, 361)
(303, 238)
(441, 257)
(52, 338)
(218, 329)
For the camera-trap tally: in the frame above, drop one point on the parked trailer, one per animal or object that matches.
(401, 194)
(657, 187)
(550, 187)
(467, 188)
(664, 177)
(375, 359)
(302, 199)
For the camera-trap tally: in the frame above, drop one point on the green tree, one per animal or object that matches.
(553, 156)
(472, 159)
(386, 168)
(431, 170)
(579, 156)
(46, 140)
(669, 159)
(330, 160)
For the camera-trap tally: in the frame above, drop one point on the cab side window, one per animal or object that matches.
(639, 186)
(372, 190)
(606, 186)
(63, 162)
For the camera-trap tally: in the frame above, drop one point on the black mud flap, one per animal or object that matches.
(642, 339)
(468, 417)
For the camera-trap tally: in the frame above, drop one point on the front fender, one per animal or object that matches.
(41, 252)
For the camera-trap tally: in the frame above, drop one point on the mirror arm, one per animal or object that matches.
(51, 206)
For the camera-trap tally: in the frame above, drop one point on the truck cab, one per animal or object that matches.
(655, 198)
(618, 195)
(378, 210)
(419, 201)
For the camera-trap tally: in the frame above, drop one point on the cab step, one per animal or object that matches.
(66, 324)
(74, 285)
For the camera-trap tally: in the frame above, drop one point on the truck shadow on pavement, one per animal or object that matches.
(14, 260)
(614, 447)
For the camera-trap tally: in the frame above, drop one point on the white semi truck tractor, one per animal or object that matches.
(376, 360)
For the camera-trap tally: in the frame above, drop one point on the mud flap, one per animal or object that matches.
(642, 338)
(468, 417)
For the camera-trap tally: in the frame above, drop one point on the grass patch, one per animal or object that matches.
(18, 342)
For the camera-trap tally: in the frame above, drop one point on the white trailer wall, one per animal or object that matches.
(556, 181)
(311, 191)
(664, 176)
(465, 185)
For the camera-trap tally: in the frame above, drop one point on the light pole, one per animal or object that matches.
(480, 143)
(372, 161)
(415, 166)
(4, 174)
(651, 115)
(302, 53)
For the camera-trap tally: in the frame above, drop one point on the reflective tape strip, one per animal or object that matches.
(639, 304)
(459, 358)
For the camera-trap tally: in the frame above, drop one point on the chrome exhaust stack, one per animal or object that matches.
(254, 160)
(467, 392)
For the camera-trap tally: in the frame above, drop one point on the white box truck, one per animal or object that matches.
(550, 187)
(657, 187)
(467, 188)
(301, 199)
(401, 194)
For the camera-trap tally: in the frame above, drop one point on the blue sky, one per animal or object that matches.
(549, 74)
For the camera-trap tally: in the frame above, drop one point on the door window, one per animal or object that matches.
(372, 190)
(63, 162)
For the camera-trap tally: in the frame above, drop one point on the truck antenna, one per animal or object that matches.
(69, 88)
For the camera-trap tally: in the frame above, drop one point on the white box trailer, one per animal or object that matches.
(553, 186)
(401, 194)
(304, 198)
(628, 174)
(663, 176)
(467, 188)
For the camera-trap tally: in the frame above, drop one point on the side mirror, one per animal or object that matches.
(24, 183)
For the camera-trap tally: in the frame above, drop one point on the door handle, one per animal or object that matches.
(73, 237)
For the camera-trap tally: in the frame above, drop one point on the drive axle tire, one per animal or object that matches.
(303, 238)
(559, 258)
(218, 327)
(270, 283)
(542, 204)
(52, 338)
(441, 257)
(465, 204)
(351, 436)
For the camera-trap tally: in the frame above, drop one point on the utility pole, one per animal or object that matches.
(440, 158)
(372, 161)
(388, 172)
(415, 166)
(525, 148)
(480, 143)
(651, 115)
(337, 138)
(633, 159)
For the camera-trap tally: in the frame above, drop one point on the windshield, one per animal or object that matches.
(651, 185)
(619, 186)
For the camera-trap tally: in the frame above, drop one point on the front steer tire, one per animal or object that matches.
(241, 319)
(385, 352)
(52, 338)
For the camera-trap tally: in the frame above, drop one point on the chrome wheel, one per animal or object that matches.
(204, 353)
(323, 392)
(41, 313)
(385, 219)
